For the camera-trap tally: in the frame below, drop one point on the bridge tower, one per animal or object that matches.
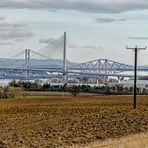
(27, 63)
(105, 78)
(64, 60)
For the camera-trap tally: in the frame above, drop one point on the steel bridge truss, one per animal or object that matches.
(102, 66)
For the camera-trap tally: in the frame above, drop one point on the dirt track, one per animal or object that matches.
(60, 122)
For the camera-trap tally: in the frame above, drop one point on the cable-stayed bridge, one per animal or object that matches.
(29, 64)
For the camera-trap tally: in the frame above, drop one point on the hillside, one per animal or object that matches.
(36, 63)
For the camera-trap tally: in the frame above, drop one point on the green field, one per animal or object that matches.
(59, 120)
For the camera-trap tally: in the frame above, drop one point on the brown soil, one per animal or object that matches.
(65, 121)
(132, 141)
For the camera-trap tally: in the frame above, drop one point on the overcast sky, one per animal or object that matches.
(95, 28)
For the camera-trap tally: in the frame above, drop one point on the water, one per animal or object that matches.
(5, 82)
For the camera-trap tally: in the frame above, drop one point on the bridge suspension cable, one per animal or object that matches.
(54, 48)
(18, 55)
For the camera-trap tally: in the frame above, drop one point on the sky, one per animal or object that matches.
(96, 29)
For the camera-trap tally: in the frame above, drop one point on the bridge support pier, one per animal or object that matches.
(118, 79)
(27, 63)
(105, 79)
(97, 81)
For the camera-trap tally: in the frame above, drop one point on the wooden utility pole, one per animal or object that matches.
(136, 49)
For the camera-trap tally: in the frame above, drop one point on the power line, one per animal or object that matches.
(135, 49)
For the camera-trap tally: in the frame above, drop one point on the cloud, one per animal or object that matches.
(46, 41)
(5, 23)
(8, 43)
(85, 47)
(94, 6)
(138, 38)
(15, 34)
(109, 20)
(13, 30)
(19, 40)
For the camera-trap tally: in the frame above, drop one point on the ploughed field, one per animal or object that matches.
(58, 121)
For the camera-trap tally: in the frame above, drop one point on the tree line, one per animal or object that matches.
(104, 89)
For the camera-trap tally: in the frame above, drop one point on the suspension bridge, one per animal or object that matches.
(29, 64)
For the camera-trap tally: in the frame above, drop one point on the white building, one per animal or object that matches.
(142, 84)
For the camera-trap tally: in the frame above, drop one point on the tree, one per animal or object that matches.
(46, 87)
(131, 89)
(120, 88)
(74, 90)
(85, 88)
(65, 87)
(126, 89)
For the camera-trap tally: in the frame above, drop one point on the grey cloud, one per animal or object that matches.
(5, 23)
(109, 20)
(15, 34)
(2, 18)
(19, 40)
(85, 47)
(46, 41)
(138, 38)
(94, 6)
(8, 43)
(13, 30)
